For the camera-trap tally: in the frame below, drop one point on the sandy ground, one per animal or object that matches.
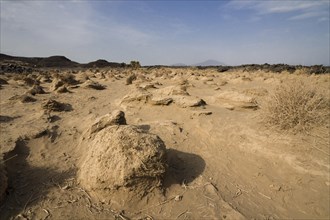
(223, 162)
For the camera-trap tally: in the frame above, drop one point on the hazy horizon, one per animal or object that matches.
(169, 32)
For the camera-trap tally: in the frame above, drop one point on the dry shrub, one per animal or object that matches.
(296, 106)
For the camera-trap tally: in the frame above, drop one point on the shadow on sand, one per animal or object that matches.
(27, 185)
(182, 167)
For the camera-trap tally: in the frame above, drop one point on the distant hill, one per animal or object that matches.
(209, 63)
(52, 61)
(58, 62)
(102, 63)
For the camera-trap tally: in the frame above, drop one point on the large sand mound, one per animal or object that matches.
(123, 157)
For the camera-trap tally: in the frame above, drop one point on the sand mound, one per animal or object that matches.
(62, 89)
(23, 98)
(36, 90)
(57, 83)
(3, 81)
(30, 81)
(123, 157)
(53, 105)
(27, 98)
(93, 85)
(45, 79)
(3, 180)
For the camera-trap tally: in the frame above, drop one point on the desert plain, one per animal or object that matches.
(217, 154)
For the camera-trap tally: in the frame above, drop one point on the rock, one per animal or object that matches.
(136, 95)
(188, 101)
(158, 100)
(115, 118)
(123, 157)
(236, 99)
(173, 90)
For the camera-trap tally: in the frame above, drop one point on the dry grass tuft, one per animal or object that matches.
(296, 106)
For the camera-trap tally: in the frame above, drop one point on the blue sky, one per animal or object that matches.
(167, 32)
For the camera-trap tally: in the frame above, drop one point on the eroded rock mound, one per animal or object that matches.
(123, 157)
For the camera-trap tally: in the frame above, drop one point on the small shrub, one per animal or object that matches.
(295, 106)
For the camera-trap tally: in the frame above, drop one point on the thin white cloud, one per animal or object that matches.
(303, 9)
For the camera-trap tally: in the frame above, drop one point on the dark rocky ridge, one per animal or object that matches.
(14, 64)
(25, 64)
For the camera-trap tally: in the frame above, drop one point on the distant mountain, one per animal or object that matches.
(179, 64)
(209, 63)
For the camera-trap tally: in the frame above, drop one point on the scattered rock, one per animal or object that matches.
(233, 99)
(158, 100)
(115, 118)
(188, 101)
(136, 95)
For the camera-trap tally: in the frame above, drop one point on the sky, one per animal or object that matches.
(155, 32)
